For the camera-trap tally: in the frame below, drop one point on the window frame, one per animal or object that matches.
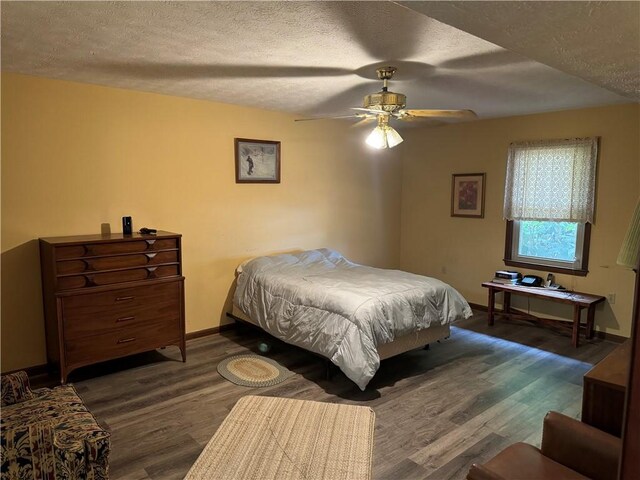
(511, 243)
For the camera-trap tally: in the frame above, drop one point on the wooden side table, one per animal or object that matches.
(604, 390)
(577, 299)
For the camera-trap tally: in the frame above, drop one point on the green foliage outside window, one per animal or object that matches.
(553, 240)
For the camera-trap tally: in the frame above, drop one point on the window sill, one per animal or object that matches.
(546, 268)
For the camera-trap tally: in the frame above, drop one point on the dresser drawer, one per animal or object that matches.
(114, 248)
(81, 306)
(96, 313)
(120, 276)
(121, 342)
(115, 262)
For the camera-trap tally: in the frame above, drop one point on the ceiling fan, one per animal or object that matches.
(385, 105)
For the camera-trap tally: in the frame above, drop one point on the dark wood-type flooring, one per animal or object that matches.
(437, 411)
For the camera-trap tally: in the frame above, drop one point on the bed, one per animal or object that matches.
(351, 314)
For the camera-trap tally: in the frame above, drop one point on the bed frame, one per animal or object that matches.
(412, 341)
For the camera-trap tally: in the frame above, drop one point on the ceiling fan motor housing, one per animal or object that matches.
(385, 101)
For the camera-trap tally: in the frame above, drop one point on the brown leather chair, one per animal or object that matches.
(570, 450)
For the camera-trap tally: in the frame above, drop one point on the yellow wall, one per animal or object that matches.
(466, 251)
(75, 156)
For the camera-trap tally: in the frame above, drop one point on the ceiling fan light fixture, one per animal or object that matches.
(383, 136)
(377, 138)
(393, 137)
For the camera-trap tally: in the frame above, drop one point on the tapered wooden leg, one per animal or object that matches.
(506, 303)
(576, 326)
(64, 374)
(591, 312)
(490, 306)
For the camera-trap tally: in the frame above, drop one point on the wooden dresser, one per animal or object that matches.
(108, 296)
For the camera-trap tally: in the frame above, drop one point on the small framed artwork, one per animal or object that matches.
(257, 161)
(467, 195)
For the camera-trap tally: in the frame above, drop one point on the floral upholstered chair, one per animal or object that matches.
(49, 434)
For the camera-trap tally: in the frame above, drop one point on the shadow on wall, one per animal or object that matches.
(606, 317)
(22, 321)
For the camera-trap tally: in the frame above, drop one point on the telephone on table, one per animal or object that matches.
(531, 281)
(536, 281)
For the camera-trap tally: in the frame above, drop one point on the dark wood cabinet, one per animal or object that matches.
(108, 296)
(604, 391)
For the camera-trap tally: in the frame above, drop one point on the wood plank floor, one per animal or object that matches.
(437, 411)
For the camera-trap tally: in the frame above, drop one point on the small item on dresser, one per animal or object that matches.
(148, 231)
(127, 226)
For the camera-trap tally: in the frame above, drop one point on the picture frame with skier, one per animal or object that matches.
(257, 161)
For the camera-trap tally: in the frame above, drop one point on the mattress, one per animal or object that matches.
(322, 302)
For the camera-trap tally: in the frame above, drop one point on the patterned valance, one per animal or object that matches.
(551, 180)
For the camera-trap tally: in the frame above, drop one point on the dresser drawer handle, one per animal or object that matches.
(150, 255)
(125, 319)
(150, 242)
(124, 299)
(88, 266)
(126, 340)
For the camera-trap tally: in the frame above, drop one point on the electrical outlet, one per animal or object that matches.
(611, 298)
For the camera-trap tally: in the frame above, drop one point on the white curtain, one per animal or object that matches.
(551, 180)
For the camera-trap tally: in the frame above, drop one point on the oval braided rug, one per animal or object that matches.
(251, 370)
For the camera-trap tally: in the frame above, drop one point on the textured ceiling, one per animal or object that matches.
(310, 58)
(598, 41)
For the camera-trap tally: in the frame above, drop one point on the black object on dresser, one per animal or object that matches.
(109, 296)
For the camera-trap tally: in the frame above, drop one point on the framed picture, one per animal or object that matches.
(467, 195)
(257, 161)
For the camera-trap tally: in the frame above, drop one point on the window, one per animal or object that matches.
(549, 204)
(554, 245)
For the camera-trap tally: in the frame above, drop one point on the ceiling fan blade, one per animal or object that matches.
(456, 114)
(366, 120)
(372, 111)
(425, 121)
(356, 115)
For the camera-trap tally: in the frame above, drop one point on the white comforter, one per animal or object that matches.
(322, 302)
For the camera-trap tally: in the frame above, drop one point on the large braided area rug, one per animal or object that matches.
(253, 371)
(285, 439)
